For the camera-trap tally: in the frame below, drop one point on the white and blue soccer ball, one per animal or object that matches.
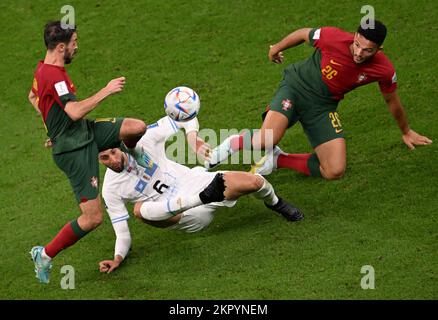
(182, 104)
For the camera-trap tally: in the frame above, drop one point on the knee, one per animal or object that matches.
(139, 127)
(334, 172)
(135, 126)
(94, 219)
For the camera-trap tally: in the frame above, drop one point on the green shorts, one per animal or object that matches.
(82, 166)
(318, 117)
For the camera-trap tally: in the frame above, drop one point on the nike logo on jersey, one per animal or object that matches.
(335, 63)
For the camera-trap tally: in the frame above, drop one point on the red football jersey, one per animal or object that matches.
(52, 85)
(340, 73)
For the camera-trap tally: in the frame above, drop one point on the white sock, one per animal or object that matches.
(157, 211)
(267, 193)
(222, 151)
(44, 255)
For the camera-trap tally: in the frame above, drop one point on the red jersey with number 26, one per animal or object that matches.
(340, 73)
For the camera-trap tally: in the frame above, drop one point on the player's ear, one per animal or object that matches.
(61, 47)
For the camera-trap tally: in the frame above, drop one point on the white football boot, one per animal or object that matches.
(268, 163)
(220, 153)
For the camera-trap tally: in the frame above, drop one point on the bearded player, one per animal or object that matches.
(75, 141)
(310, 93)
(169, 195)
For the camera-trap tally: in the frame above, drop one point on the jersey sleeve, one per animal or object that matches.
(324, 37)
(389, 83)
(60, 87)
(116, 209)
(123, 239)
(114, 204)
(63, 93)
(34, 87)
(314, 36)
(160, 131)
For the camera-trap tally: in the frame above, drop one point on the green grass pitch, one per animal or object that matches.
(383, 213)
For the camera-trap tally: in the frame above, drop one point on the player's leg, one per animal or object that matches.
(332, 156)
(273, 128)
(326, 136)
(109, 132)
(195, 219)
(279, 116)
(92, 214)
(191, 220)
(82, 170)
(131, 131)
(233, 184)
(242, 183)
(148, 216)
(214, 191)
(238, 183)
(119, 133)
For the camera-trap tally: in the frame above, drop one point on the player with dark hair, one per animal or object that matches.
(310, 93)
(170, 195)
(75, 141)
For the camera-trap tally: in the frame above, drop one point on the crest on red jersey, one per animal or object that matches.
(286, 104)
(361, 77)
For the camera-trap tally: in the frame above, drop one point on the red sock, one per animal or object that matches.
(236, 143)
(297, 162)
(65, 238)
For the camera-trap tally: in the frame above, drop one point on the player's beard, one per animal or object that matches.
(68, 56)
(360, 59)
(120, 168)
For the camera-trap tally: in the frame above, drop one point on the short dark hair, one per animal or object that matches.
(376, 34)
(54, 34)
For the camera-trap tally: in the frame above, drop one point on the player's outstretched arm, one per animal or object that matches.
(199, 146)
(78, 109)
(410, 137)
(121, 248)
(293, 39)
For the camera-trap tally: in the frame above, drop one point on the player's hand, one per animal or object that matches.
(115, 85)
(411, 139)
(275, 55)
(108, 266)
(203, 150)
(48, 143)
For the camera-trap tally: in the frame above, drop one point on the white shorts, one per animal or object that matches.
(198, 218)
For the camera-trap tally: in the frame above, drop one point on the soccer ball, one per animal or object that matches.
(182, 104)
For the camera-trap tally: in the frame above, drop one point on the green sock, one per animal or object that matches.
(313, 165)
(77, 229)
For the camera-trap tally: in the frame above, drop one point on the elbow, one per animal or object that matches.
(305, 34)
(73, 111)
(74, 116)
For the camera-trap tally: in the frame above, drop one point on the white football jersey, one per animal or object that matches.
(160, 180)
